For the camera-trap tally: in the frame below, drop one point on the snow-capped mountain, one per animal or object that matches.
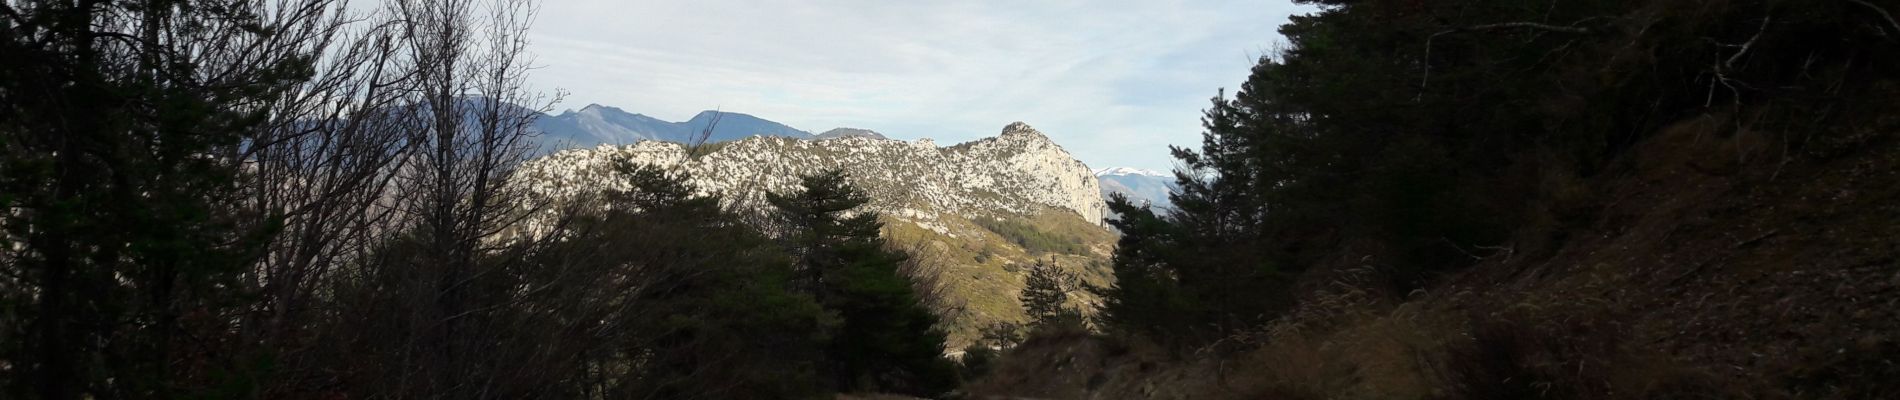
(1138, 184)
(1130, 171)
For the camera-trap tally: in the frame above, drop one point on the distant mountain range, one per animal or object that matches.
(597, 125)
(1138, 184)
(850, 132)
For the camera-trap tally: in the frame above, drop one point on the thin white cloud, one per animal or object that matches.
(1113, 82)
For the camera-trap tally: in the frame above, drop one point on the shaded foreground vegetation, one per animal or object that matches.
(1466, 199)
(306, 199)
(1520, 199)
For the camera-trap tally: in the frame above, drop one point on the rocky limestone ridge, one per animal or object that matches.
(975, 212)
(849, 132)
(1017, 172)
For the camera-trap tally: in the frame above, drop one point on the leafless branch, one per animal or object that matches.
(1721, 69)
(1883, 13)
(1750, 43)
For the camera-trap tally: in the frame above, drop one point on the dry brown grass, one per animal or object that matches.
(1384, 357)
(1546, 348)
(1764, 280)
(1346, 343)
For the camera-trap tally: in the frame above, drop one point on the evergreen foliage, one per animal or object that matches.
(230, 200)
(234, 199)
(1418, 134)
(886, 340)
(116, 232)
(708, 297)
(978, 359)
(1045, 297)
(1146, 298)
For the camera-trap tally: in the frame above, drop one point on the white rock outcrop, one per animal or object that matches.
(1019, 171)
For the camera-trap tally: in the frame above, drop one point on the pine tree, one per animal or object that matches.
(820, 226)
(886, 341)
(1045, 297)
(117, 170)
(703, 300)
(1145, 300)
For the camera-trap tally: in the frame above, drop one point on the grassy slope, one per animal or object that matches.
(982, 271)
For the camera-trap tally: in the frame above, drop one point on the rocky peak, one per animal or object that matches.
(1004, 174)
(1019, 128)
(970, 206)
(597, 109)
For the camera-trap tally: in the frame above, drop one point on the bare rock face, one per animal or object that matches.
(1017, 172)
(978, 212)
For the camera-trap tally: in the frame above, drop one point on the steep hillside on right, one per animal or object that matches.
(1493, 199)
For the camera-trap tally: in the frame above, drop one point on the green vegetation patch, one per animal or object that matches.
(981, 272)
(1031, 238)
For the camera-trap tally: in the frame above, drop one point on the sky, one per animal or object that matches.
(1112, 82)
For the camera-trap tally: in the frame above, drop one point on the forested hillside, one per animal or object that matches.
(1520, 199)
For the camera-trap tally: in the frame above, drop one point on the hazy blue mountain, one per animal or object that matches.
(1138, 184)
(597, 124)
(835, 133)
(735, 126)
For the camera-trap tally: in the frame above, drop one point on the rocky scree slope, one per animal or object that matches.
(974, 213)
